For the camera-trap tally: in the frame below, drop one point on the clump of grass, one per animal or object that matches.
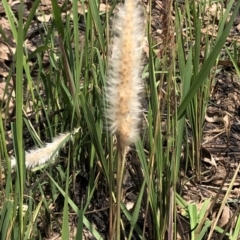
(124, 84)
(74, 82)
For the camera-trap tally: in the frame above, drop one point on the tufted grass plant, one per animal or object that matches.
(69, 94)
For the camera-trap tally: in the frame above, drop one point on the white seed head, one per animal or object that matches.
(124, 83)
(49, 152)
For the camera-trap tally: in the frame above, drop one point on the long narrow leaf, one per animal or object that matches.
(200, 78)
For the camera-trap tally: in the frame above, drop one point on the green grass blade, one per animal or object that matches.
(6, 218)
(192, 209)
(236, 232)
(137, 209)
(11, 18)
(18, 138)
(79, 234)
(204, 230)
(98, 24)
(234, 61)
(65, 224)
(87, 224)
(201, 76)
(31, 16)
(94, 133)
(57, 17)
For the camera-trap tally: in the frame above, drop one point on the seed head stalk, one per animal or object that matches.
(124, 84)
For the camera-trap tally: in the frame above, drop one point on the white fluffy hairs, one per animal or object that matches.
(49, 152)
(124, 83)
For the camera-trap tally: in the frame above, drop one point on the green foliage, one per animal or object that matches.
(73, 87)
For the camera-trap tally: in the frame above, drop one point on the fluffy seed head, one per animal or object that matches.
(39, 156)
(124, 83)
